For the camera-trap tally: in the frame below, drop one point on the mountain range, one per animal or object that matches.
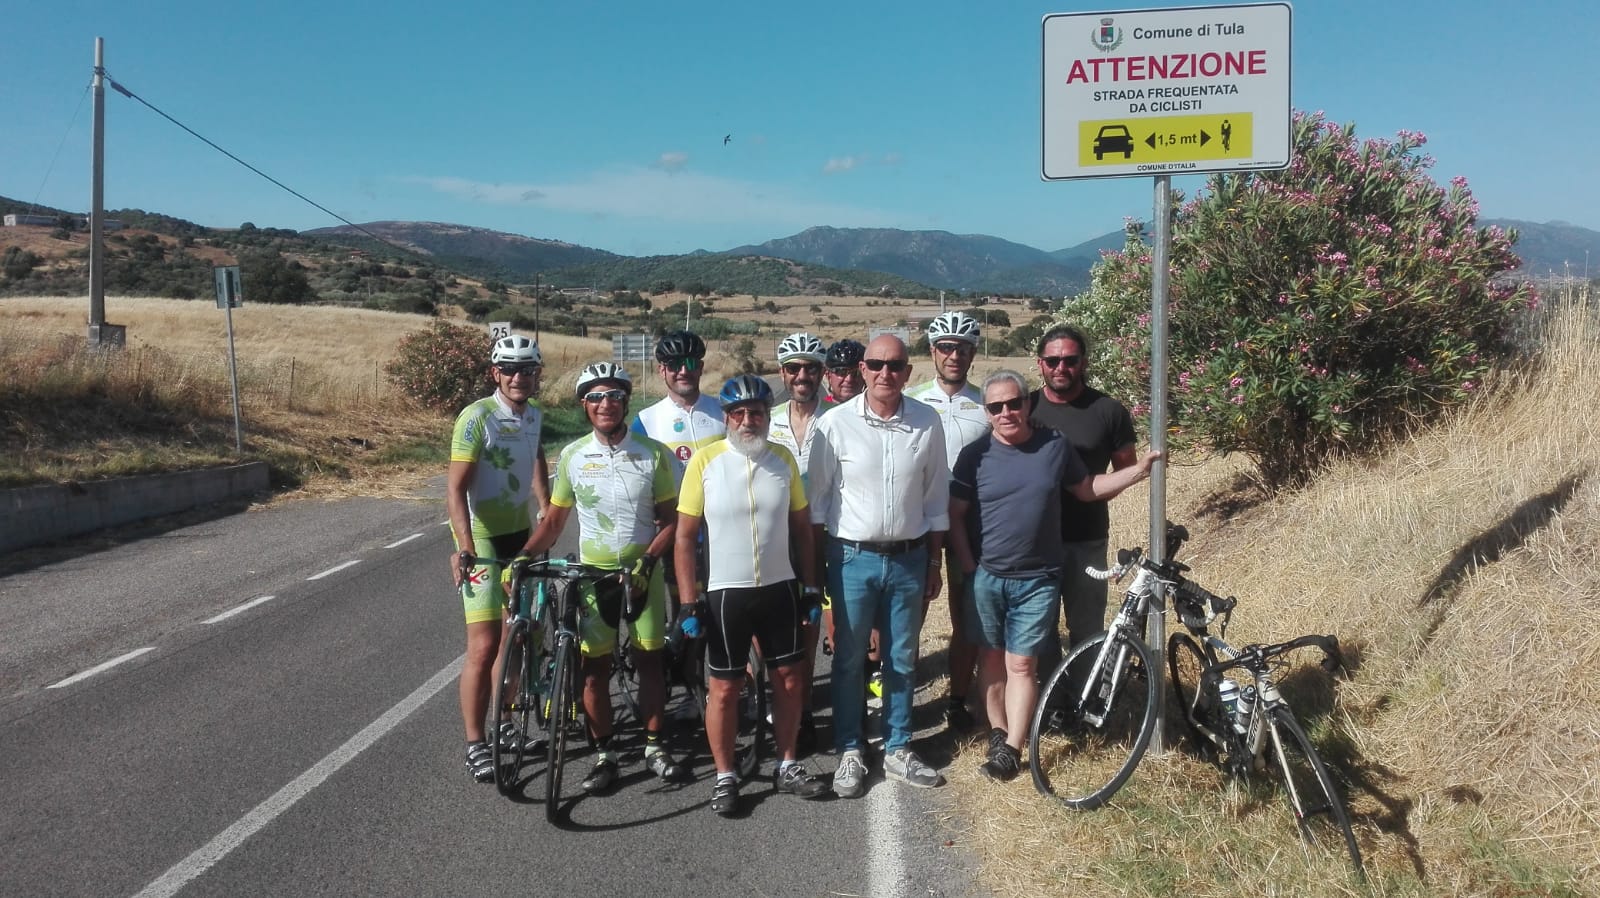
(938, 260)
(816, 260)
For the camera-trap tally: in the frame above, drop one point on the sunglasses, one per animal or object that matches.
(845, 371)
(747, 411)
(690, 364)
(600, 396)
(895, 366)
(514, 370)
(954, 347)
(793, 368)
(1056, 361)
(1014, 404)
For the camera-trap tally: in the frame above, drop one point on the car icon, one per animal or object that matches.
(1112, 139)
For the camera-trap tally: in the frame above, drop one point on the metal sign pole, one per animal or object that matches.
(1159, 255)
(233, 375)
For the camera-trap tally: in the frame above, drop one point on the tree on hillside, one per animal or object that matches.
(1314, 311)
(266, 277)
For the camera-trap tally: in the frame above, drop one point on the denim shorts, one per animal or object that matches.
(1012, 613)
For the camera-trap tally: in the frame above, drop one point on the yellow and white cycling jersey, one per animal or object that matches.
(745, 504)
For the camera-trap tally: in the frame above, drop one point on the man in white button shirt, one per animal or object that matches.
(880, 489)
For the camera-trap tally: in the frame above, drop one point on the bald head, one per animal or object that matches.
(887, 353)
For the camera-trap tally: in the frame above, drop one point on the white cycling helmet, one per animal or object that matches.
(801, 346)
(600, 372)
(953, 326)
(515, 350)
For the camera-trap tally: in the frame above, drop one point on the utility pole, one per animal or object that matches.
(100, 333)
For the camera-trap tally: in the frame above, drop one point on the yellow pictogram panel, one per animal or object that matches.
(1173, 138)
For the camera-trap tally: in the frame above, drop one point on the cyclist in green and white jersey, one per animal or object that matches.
(953, 341)
(800, 358)
(622, 488)
(497, 469)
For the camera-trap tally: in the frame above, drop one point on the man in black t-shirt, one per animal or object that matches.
(1101, 429)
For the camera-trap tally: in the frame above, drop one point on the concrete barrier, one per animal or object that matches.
(32, 515)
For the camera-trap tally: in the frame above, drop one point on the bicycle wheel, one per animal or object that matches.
(513, 706)
(754, 710)
(1082, 751)
(562, 710)
(624, 673)
(1199, 703)
(1323, 818)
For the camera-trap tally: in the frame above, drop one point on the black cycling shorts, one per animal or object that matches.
(770, 614)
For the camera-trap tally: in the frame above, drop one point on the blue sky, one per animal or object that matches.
(602, 123)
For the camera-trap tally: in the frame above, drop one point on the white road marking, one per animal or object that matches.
(264, 813)
(335, 569)
(101, 668)
(886, 863)
(404, 541)
(239, 610)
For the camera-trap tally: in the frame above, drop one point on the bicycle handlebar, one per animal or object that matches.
(1256, 655)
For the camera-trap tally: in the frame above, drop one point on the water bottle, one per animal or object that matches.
(1247, 706)
(1229, 690)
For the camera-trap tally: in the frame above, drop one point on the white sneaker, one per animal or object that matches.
(850, 780)
(903, 764)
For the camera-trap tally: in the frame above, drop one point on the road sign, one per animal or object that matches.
(499, 330)
(230, 292)
(632, 347)
(1166, 91)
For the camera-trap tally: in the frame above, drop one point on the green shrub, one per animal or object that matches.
(1314, 311)
(443, 367)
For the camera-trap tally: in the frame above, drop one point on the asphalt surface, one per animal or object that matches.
(310, 743)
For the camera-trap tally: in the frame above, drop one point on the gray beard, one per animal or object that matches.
(747, 446)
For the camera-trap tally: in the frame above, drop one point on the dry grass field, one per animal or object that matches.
(1459, 571)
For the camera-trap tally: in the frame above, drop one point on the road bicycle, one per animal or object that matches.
(541, 669)
(1249, 729)
(686, 683)
(1097, 711)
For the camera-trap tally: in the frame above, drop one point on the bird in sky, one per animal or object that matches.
(726, 138)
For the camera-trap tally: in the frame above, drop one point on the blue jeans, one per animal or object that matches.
(883, 591)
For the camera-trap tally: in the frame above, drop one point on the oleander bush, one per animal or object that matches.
(1315, 311)
(444, 366)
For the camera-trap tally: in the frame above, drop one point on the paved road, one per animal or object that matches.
(310, 743)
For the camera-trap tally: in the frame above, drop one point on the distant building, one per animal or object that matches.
(14, 219)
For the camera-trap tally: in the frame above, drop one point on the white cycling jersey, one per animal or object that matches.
(615, 490)
(783, 435)
(962, 415)
(683, 431)
(745, 504)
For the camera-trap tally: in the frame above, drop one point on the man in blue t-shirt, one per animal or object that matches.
(1005, 532)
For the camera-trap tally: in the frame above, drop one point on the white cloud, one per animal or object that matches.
(680, 196)
(841, 163)
(672, 161)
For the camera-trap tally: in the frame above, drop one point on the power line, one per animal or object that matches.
(34, 206)
(132, 96)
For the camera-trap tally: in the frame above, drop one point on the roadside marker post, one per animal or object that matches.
(1186, 90)
(230, 295)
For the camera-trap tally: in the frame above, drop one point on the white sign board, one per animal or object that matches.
(632, 347)
(230, 292)
(1185, 90)
(499, 330)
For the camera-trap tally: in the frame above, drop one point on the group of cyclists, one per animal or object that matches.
(705, 500)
